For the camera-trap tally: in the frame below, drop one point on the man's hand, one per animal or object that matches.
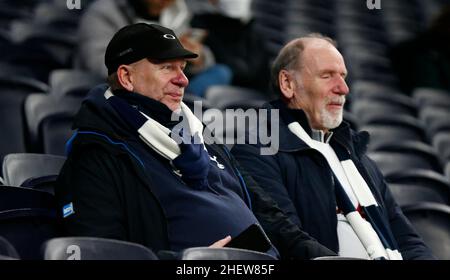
(221, 243)
(193, 163)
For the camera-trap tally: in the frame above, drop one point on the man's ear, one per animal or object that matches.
(287, 84)
(124, 77)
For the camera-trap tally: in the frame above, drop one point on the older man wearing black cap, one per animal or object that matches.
(127, 178)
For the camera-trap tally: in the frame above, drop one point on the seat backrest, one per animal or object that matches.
(424, 155)
(447, 170)
(222, 97)
(380, 134)
(17, 168)
(7, 249)
(40, 108)
(93, 248)
(14, 89)
(207, 253)
(420, 177)
(441, 141)
(407, 194)
(391, 162)
(65, 82)
(363, 108)
(27, 228)
(55, 132)
(431, 221)
(431, 96)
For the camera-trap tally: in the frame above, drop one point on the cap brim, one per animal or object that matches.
(176, 53)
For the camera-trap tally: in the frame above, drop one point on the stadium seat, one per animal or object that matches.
(223, 97)
(392, 157)
(7, 250)
(27, 228)
(50, 119)
(362, 108)
(71, 82)
(437, 126)
(447, 170)
(13, 91)
(207, 253)
(410, 194)
(362, 89)
(93, 248)
(386, 134)
(415, 185)
(431, 97)
(393, 162)
(32, 170)
(441, 141)
(431, 221)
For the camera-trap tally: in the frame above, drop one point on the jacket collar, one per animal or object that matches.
(343, 135)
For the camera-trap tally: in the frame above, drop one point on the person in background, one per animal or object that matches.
(235, 42)
(105, 17)
(320, 175)
(127, 176)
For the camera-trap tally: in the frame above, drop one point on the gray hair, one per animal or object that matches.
(289, 58)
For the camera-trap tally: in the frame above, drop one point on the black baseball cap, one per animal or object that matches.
(141, 40)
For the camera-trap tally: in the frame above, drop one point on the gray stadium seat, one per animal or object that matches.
(223, 97)
(206, 253)
(431, 221)
(50, 118)
(18, 168)
(93, 248)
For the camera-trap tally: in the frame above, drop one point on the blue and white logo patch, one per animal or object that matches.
(68, 210)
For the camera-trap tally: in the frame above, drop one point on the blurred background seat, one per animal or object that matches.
(431, 221)
(419, 185)
(233, 97)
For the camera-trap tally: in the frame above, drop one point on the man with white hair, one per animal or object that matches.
(320, 175)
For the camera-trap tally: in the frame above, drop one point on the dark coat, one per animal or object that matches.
(302, 184)
(112, 188)
(240, 46)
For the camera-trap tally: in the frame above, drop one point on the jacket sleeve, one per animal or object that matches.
(267, 174)
(89, 181)
(410, 243)
(288, 238)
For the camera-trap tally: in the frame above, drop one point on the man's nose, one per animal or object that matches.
(181, 80)
(341, 88)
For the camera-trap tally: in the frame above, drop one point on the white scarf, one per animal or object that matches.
(157, 136)
(363, 229)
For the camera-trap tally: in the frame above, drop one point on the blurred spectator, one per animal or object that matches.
(233, 39)
(425, 60)
(105, 17)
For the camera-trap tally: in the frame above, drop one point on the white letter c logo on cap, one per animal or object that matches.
(169, 36)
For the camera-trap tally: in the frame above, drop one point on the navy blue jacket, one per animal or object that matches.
(302, 184)
(112, 179)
